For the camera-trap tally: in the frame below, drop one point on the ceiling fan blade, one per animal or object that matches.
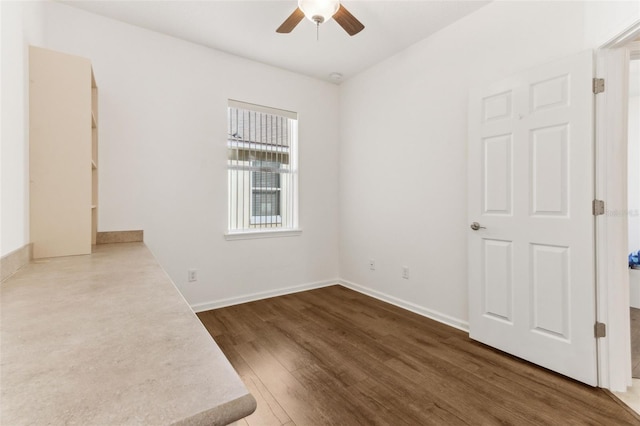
(290, 23)
(347, 21)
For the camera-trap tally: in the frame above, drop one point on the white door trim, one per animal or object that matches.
(614, 351)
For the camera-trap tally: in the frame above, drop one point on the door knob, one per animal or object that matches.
(475, 226)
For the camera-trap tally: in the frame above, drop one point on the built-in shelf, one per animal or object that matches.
(59, 102)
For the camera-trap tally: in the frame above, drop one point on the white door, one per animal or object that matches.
(531, 180)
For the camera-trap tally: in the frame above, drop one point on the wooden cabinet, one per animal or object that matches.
(63, 153)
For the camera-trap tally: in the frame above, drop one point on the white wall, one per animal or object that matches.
(17, 30)
(162, 154)
(403, 143)
(607, 19)
(402, 151)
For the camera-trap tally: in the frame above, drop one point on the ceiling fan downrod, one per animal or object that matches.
(318, 19)
(318, 22)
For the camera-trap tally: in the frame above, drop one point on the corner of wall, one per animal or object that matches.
(14, 144)
(12, 262)
(425, 312)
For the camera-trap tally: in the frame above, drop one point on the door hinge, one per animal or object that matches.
(600, 330)
(598, 207)
(598, 85)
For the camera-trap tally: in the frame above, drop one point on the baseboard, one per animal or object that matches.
(111, 237)
(425, 312)
(207, 306)
(12, 262)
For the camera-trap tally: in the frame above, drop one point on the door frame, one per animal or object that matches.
(612, 277)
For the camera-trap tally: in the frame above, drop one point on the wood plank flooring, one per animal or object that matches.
(334, 356)
(635, 342)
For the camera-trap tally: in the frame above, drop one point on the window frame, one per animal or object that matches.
(284, 226)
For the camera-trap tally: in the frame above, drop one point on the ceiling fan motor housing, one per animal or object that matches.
(319, 11)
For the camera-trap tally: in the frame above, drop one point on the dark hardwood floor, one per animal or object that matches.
(334, 356)
(635, 342)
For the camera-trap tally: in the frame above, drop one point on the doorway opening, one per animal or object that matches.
(618, 230)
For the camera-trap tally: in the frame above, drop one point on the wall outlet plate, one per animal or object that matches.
(405, 272)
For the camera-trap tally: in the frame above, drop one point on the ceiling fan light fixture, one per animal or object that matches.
(319, 11)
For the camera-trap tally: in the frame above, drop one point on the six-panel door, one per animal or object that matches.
(531, 271)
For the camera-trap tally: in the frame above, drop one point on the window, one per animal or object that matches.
(265, 193)
(262, 170)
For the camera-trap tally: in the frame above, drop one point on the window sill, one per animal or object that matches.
(250, 235)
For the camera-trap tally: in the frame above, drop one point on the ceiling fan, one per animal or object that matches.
(320, 11)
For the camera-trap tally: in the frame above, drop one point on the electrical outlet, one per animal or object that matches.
(405, 272)
(192, 275)
(372, 264)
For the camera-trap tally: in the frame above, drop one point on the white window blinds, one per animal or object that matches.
(262, 168)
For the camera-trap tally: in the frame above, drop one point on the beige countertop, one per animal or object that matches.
(106, 339)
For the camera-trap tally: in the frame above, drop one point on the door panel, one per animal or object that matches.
(550, 93)
(531, 270)
(550, 290)
(550, 171)
(497, 175)
(498, 279)
(497, 106)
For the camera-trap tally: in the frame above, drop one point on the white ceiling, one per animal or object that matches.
(247, 29)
